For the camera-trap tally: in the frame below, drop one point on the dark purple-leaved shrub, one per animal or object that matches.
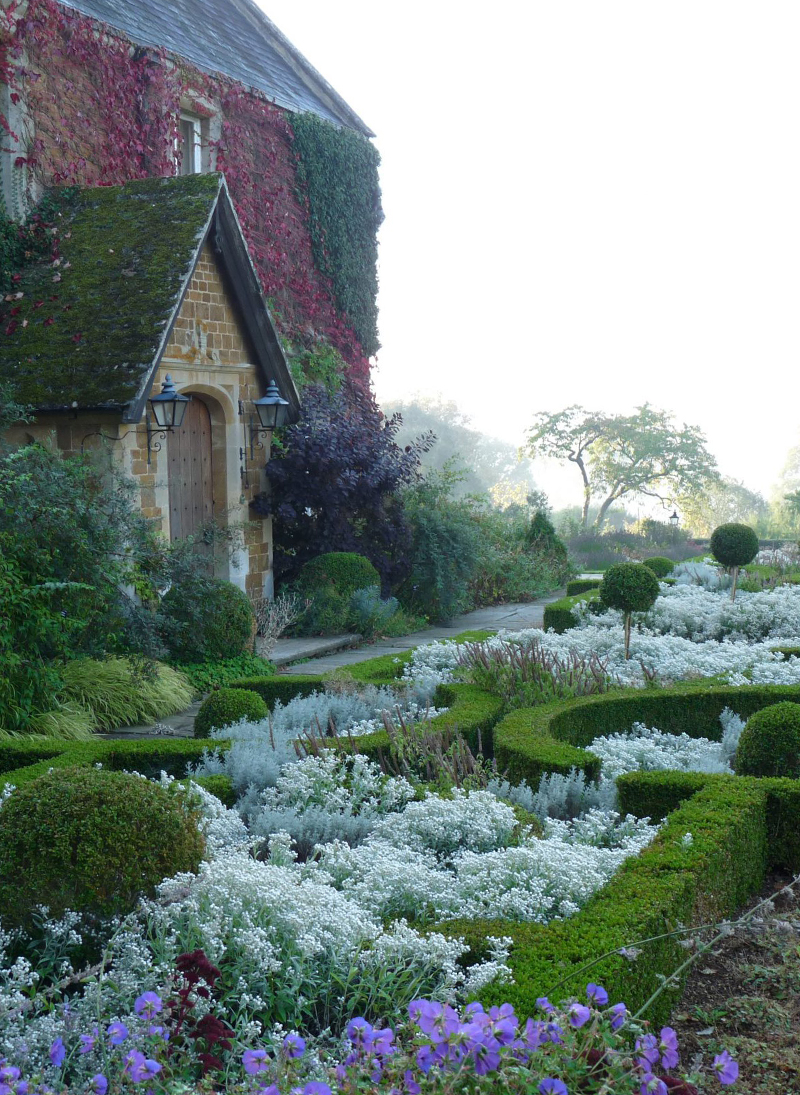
(334, 486)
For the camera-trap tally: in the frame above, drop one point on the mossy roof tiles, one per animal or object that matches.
(90, 331)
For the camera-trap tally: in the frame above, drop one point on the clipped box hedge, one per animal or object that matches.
(582, 585)
(559, 615)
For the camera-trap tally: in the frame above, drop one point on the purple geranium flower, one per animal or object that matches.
(651, 1085)
(549, 1086)
(294, 1046)
(117, 1033)
(619, 1013)
(255, 1061)
(578, 1015)
(596, 994)
(88, 1041)
(98, 1084)
(726, 1068)
(270, 1089)
(359, 1031)
(668, 1047)
(543, 1003)
(315, 1088)
(57, 1053)
(140, 1068)
(647, 1047)
(148, 1003)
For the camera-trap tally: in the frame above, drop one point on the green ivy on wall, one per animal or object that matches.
(339, 169)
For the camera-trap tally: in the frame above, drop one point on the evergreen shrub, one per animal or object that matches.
(582, 585)
(770, 742)
(207, 620)
(227, 706)
(659, 565)
(629, 587)
(342, 572)
(734, 545)
(91, 840)
(559, 614)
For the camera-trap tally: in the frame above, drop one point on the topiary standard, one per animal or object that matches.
(227, 706)
(92, 840)
(770, 742)
(659, 565)
(629, 587)
(206, 619)
(734, 546)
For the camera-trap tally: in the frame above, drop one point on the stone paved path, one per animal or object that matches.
(335, 652)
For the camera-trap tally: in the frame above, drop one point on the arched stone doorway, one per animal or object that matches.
(190, 474)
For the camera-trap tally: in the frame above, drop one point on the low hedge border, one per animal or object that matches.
(559, 616)
(582, 585)
(735, 840)
(20, 763)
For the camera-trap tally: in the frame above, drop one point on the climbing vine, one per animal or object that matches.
(340, 170)
(99, 110)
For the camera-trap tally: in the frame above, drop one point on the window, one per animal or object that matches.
(191, 145)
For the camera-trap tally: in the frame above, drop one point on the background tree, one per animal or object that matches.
(643, 454)
(723, 501)
(484, 464)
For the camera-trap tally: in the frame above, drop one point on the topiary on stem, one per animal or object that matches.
(629, 587)
(770, 742)
(734, 546)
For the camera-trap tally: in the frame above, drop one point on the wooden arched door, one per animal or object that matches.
(190, 473)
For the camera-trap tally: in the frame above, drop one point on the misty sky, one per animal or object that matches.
(585, 202)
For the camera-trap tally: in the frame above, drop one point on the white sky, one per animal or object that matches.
(585, 202)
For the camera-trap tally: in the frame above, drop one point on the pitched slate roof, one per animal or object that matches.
(90, 332)
(233, 37)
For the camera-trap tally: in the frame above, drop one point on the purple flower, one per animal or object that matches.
(425, 1058)
(578, 1015)
(98, 1084)
(359, 1031)
(315, 1088)
(653, 1086)
(410, 1084)
(648, 1048)
(549, 1086)
(620, 1013)
(543, 1003)
(117, 1033)
(159, 1031)
(726, 1068)
(596, 994)
(255, 1061)
(149, 1003)
(381, 1042)
(271, 1089)
(88, 1042)
(139, 1067)
(554, 1033)
(294, 1046)
(9, 1073)
(668, 1047)
(535, 1034)
(57, 1053)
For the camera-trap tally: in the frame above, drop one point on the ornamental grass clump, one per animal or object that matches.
(526, 674)
(734, 546)
(770, 742)
(629, 587)
(92, 840)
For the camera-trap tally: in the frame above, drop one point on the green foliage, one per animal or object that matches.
(660, 566)
(280, 687)
(524, 750)
(220, 786)
(339, 169)
(226, 706)
(770, 742)
(24, 759)
(559, 614)
(69, 722)
(123, 692)
(629, 587)
(787, 652)
(91, 840)
(207, 620)
(734, 545)
(206, 676)
(582, 585)
(341, 572)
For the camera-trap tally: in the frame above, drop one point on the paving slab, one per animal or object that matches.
(294, 650)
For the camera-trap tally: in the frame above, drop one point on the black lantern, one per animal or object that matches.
(169, 406)
(272, 409)
(674, 519)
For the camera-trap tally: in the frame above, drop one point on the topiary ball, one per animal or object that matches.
(227, 706)
(659, 565)
(770, 742)
(734, 545)
(207, 619)
(92, 840)
(341, 572)
(629, 587)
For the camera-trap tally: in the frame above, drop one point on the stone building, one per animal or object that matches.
(154, 279)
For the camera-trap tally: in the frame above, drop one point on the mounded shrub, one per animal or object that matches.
(207, 620)
(559, 614)
(582, 585)
(341, 572)
(227, 706)
(660, 565)
(770, 743)
(91, 840)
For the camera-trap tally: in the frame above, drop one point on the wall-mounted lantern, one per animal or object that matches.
(168, 408)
